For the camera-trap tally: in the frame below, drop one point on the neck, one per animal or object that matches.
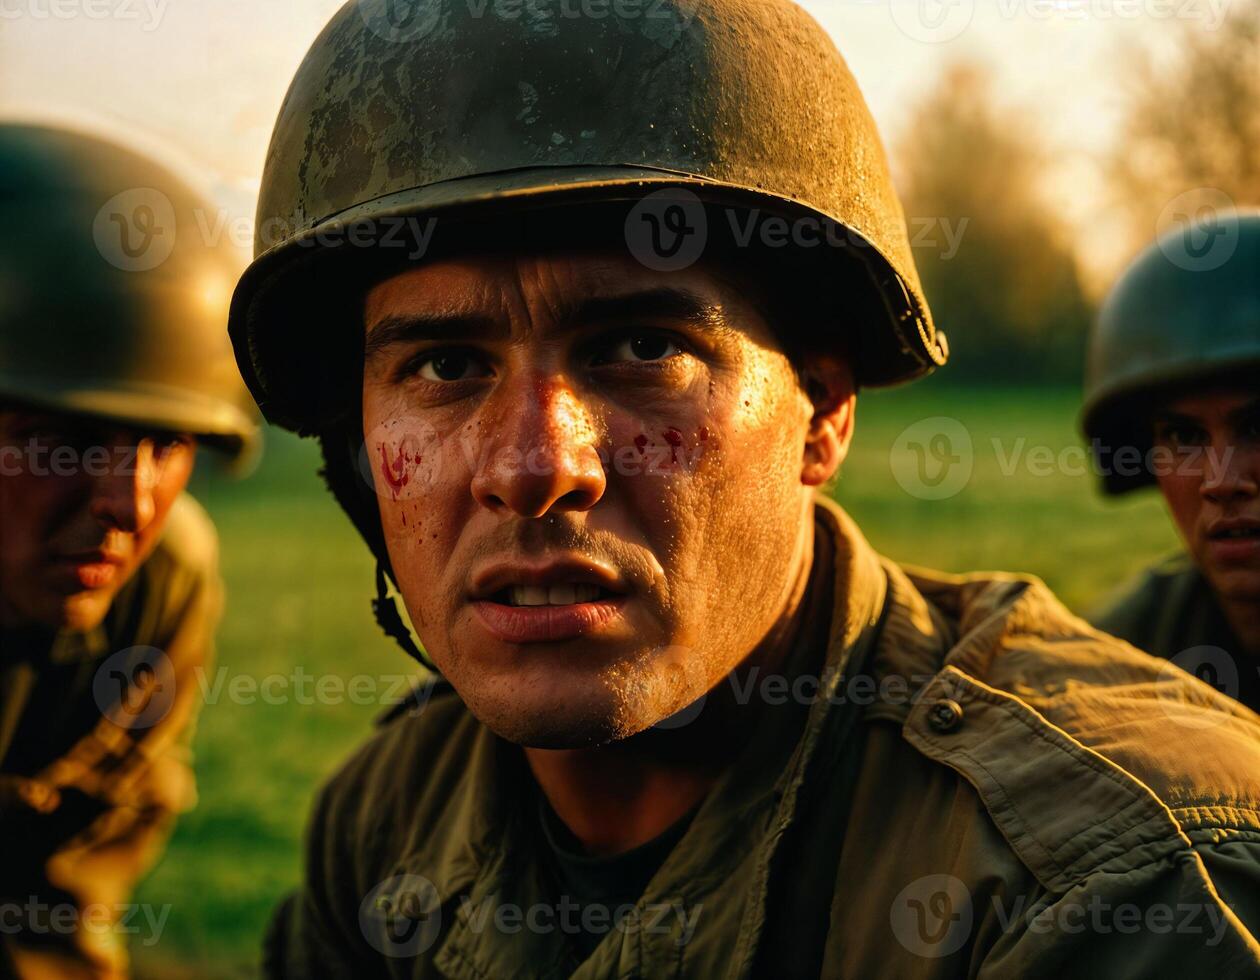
(1243, 617)
(618, 796)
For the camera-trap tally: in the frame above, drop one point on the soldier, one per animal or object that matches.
(1174, 376)
(113, 370)
(578, 307)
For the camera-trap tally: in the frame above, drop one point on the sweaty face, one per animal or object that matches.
(1212, 485)
(591, 483)
(82, 503)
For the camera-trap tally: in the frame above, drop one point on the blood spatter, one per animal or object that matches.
(675, 440)
(703, 433)
(396, 474)
(640, 443)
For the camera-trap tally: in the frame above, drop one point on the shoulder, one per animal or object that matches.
(184, 565)
(189, 544)
(1131, 610)
(399, 782)
(1196, 750)
(174, 600)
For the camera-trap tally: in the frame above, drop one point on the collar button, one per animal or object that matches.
(945, 716)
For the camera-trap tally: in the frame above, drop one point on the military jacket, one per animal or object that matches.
(95, 729)
(982, 786)
(1170, 611)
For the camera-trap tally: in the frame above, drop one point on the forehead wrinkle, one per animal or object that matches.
(528, 293)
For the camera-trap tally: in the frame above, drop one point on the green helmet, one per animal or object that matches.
(112, 303)
(1186, 311)
(449, 109)
(409, 111)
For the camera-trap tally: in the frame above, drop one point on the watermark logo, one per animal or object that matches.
(1212, 665)
(931, 917)
(135, 688)
(933, 458)
(1198, 230)
(302, 687)
(400, 21)
(402, 916)
(667, 230)
(932, 21)
(122, 10)
(136, 230)
(118, 922)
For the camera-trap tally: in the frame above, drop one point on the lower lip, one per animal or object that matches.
(546, 624)
(92, 574)
(1234, 549)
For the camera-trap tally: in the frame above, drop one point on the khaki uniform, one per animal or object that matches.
(1171, 612)
(991, 789)
(90, 776)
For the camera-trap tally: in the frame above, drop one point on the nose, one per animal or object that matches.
(122, 497)
(1232, 473)
(543, 457)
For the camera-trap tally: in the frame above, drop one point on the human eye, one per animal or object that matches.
(1181, 435)
(639, 347)
(447, 366)
(1249, 429)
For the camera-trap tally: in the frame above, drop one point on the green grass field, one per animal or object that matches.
(299, 582)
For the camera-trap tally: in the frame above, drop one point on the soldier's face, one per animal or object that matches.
(82, 504)
(594, 482)
(1213, 486)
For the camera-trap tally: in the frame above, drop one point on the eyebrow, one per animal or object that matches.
(1240, 414)
(664, 302)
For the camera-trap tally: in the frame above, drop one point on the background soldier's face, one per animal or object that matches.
(1213, 487)
(594, 482)
(82, 503)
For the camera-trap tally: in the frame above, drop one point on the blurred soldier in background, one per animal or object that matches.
(113, 370)
(690, 724)
(1173, 399)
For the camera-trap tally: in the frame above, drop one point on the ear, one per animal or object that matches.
(828, 382)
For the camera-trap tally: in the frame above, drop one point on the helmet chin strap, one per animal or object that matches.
(385, 609)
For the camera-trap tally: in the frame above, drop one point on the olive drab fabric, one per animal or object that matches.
(980, 785)
(1170, 611)
(449, 112)
(1186, 309)
(95, 751)
(113, 296)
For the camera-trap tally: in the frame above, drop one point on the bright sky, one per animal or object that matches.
(206, 77)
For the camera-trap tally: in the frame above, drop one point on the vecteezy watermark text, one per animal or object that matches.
(34, 917)
(151, 11)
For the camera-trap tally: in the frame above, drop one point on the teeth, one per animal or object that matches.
(556, 595)
(529, 595)
(561, 595)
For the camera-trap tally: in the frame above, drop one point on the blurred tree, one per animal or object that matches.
(994, 256)
(1192, 121)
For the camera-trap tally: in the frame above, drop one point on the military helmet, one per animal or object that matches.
(1185, 312)
(112, 301)
(437, 108)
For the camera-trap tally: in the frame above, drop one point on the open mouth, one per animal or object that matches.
(561, 600)
(1237, 534)
(565, 594)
